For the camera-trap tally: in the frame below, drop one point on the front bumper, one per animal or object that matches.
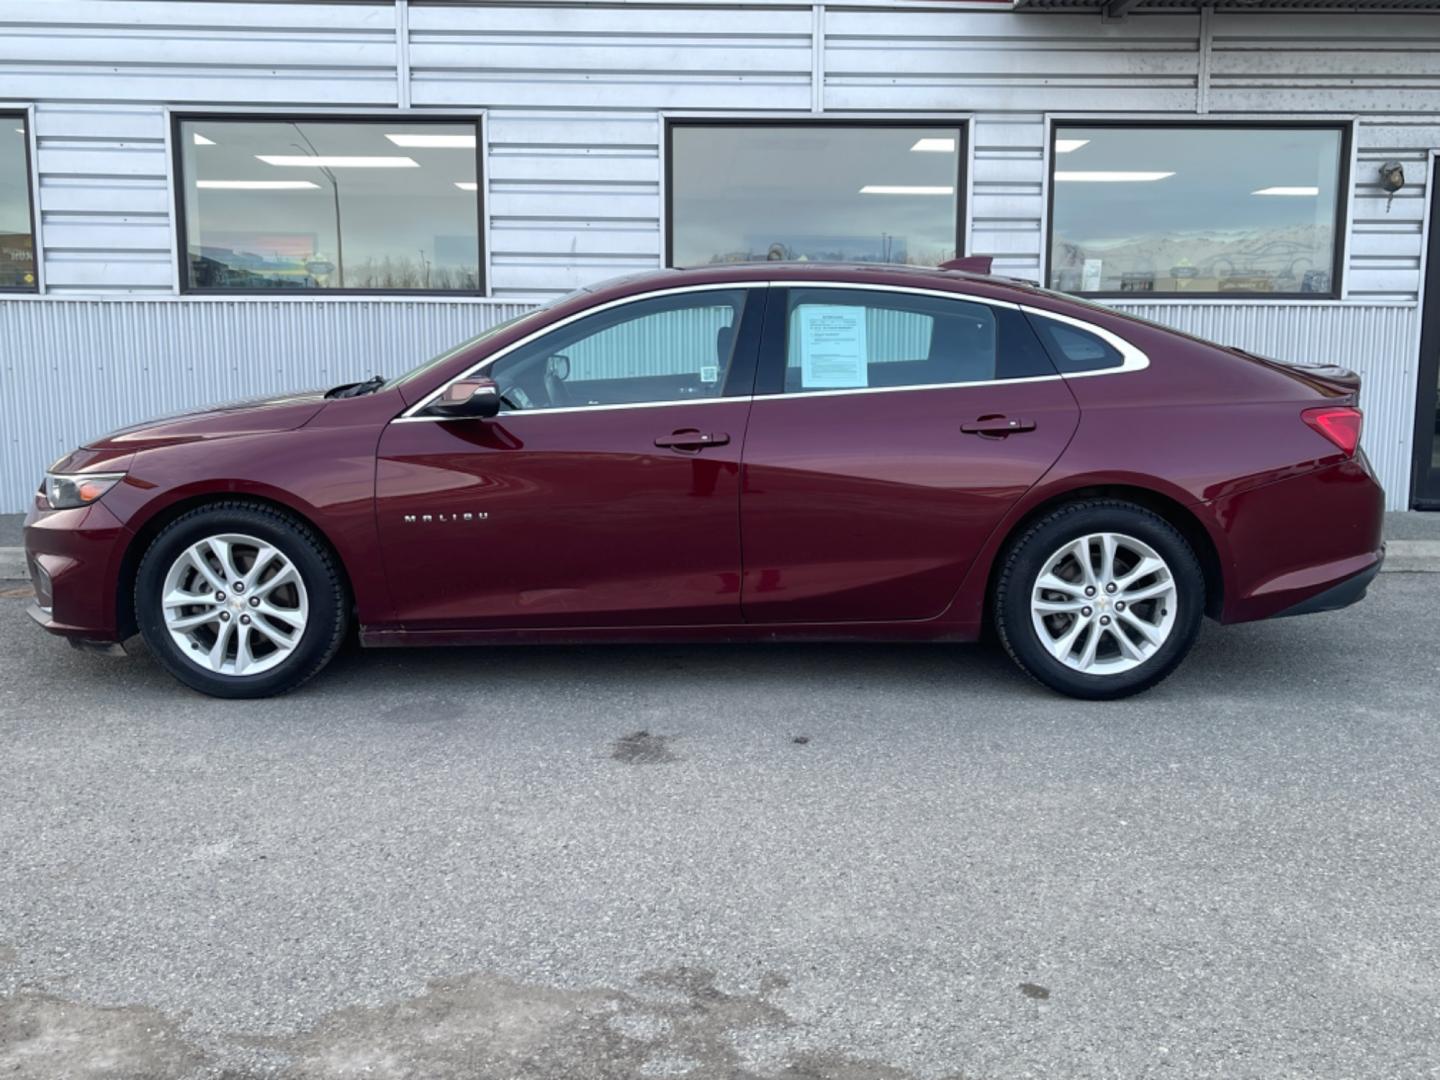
(74, 558)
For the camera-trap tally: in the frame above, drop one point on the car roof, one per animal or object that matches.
(960, 281)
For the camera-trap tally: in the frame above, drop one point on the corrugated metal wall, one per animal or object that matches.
(574, 95)
(74, 369)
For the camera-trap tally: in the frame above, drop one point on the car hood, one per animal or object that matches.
(257, 416)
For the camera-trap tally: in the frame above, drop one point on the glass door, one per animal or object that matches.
(1426, 489)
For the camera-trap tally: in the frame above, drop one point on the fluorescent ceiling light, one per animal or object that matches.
(331, 161)
(467, 185)
(434, 141)
(1287, 191)
(901, 189)
(200, 140)
(1065, 146)
(1063, 177)
(257, 185)
(19, 131)
(934, 146)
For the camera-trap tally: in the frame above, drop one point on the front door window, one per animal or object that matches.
(667, 348)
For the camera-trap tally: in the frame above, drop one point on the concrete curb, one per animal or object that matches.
(1413, 556)
(1401, 556)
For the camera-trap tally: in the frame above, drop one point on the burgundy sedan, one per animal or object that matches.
(769, 452)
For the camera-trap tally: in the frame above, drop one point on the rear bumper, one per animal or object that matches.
(1309, 543)
(1350, 591)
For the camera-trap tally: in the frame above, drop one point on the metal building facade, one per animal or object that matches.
(574, 99)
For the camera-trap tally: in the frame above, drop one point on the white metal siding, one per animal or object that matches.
(574, 96)
(75, 369)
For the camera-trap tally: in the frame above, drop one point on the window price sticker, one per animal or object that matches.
(832, 346)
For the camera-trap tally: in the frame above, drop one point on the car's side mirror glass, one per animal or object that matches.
(466, 399)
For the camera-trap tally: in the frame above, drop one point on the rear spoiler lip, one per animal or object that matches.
(1332, 380)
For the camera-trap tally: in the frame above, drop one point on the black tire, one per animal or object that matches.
(328, 599)
(1025, 557)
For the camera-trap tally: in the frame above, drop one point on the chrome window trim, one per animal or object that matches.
(1133, 358)
(801, 395)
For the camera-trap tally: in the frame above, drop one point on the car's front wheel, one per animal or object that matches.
(1099, 599)
(239, 600)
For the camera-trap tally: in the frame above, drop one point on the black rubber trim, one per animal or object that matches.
(1350, 591)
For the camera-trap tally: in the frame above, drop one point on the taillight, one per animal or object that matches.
(1339, 424)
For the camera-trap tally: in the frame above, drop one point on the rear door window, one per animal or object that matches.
(855, 339)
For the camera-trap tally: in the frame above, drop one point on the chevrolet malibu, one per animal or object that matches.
(771, 452)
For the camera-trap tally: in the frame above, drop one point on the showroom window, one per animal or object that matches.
(17, 232)
(1197, 209)
(359, 205)
(819, 192)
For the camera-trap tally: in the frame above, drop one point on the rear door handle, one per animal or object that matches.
(692, 440)
(997, 426)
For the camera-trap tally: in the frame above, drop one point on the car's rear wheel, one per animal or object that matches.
(1099, 599)
(237, 599)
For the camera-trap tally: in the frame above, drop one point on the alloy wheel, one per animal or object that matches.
(234, 605)
(1104, 603)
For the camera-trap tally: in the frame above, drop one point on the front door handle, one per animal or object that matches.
(692, 440)
(997, 427)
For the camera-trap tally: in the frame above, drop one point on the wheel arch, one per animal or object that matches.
(153, 525)
(1176, 513)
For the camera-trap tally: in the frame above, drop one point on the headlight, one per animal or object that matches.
(66, 491)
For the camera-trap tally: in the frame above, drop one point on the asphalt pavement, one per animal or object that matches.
(765, 862)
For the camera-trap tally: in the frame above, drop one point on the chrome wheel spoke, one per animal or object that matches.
(1051, 583)
(221, 646)
(283, 638)
(1144, 569)
(291, 617)
(1092, 643)
(286, 576)
(234, 605)
(189, 622)
(1128, 648)
(1080, 552)
(1147, 592)
(1148, 631)
(263, 559)
(195, 557)
(1109, 543)
(1058, 607)
(243, 658)
(224, 553)
(1063, 645)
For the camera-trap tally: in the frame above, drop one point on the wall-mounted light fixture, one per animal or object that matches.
(1392, 179)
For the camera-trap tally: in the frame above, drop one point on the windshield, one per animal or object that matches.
(490, 331)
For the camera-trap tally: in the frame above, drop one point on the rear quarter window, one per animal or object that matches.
(1074, 350)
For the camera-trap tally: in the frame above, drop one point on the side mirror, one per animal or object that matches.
(468, 399)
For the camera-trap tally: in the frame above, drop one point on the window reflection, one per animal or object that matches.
(1194, 209)
(17, 241)
(307, 204)
(813, 192)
